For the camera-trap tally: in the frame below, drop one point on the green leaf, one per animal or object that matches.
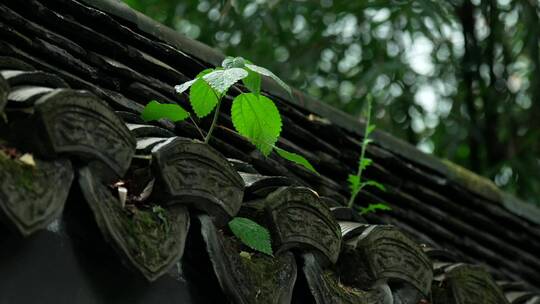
(227, 62)
(364, 163)
(222, 80)
(181, 88)
(374, 208)
(155, 110)
(295, 158)
(266, 72)
(257, 118)
(233, 62)
(354, 183)
(251, 234)
(253, 81)
(375, 184)
(202, 97)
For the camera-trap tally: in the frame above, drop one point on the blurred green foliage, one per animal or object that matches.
(459, 79)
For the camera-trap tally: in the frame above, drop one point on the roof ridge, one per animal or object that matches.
(428, 206)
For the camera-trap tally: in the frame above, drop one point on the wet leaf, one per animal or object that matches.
(251, 234)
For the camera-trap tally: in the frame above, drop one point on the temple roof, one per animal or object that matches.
(74, 78)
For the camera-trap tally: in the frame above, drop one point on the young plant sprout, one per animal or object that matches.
(356, 183)
(253, 115)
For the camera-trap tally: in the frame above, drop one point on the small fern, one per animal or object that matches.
(356, 184)
(251, 234)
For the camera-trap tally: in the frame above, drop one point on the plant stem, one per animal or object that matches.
(197, 127)
(214, 122)
(365, 143)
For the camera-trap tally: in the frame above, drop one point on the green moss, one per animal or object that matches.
(149, 229)
(473, 181)
(262, 266)
(346, 293)
(24, 174)
(263, 272)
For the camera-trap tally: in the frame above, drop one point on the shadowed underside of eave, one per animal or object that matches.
(115, 55)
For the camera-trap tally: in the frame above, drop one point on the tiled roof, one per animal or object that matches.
(74, 76)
